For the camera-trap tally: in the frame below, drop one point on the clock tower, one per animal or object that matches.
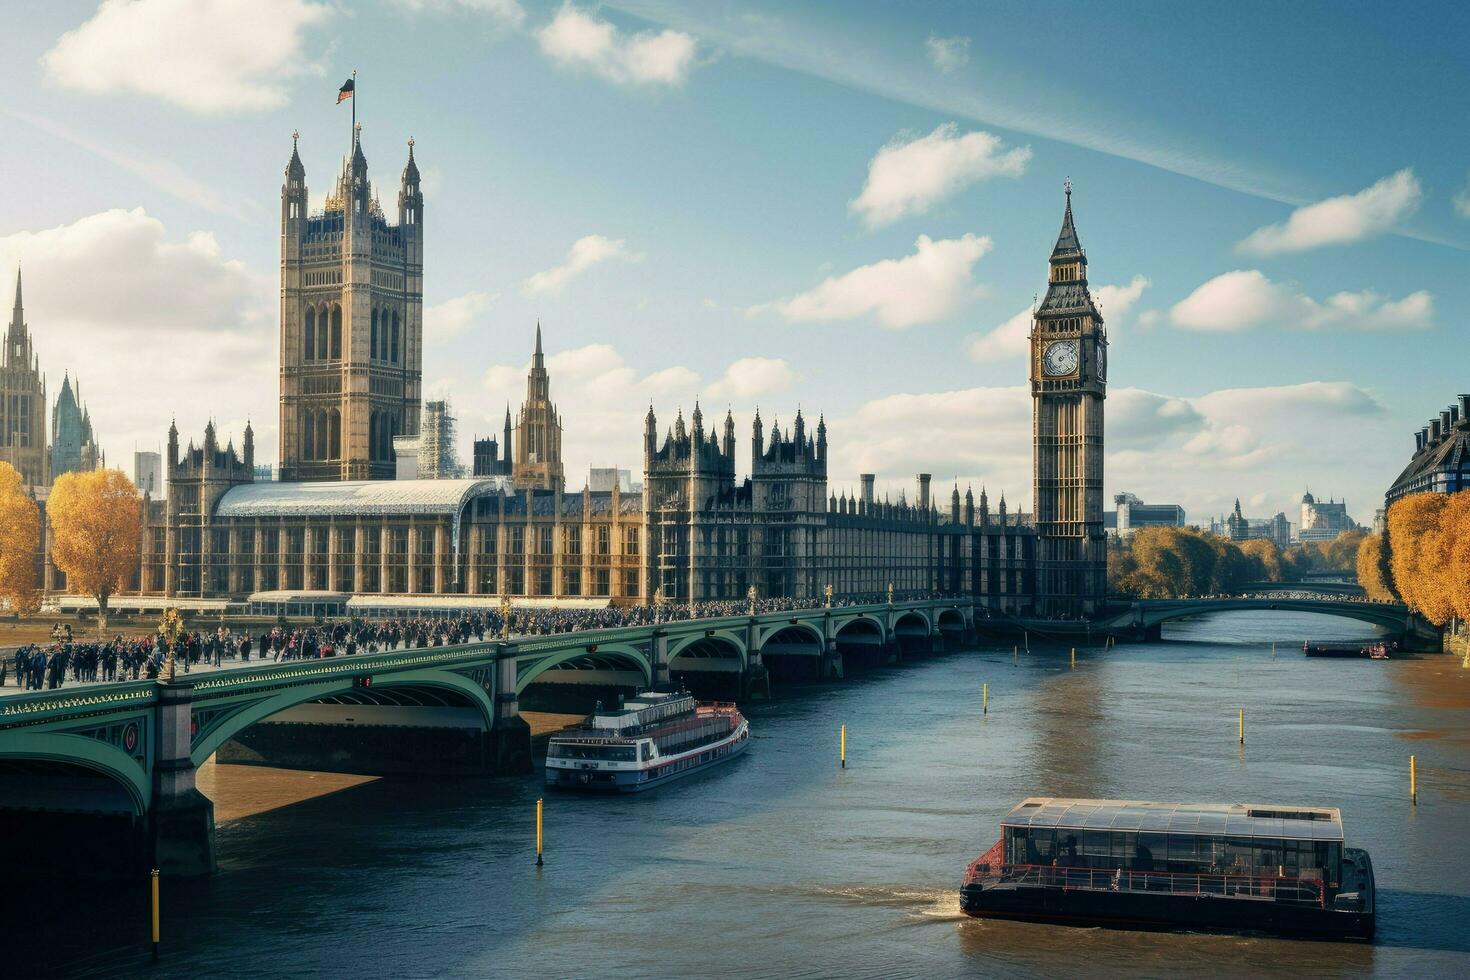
(1069, 360)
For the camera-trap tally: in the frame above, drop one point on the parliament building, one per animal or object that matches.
(337, 533)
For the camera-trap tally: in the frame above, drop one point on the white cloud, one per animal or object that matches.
(929, 285)
(910, 175)
(1245, 298)
(451, 318)
(576, 39)
(1462, 201)
(948, 53)
(1114, 302)
(1013, 337)
(1010, 339)
(583, 255)
(164, 325)
(1339, 220)
(507, 12)
(751, 377)
(1202, 452)
(209, 56)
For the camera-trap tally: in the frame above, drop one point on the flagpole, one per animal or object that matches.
(354, 108)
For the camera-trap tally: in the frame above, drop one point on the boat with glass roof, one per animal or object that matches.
(1133, 864)
(652, 739)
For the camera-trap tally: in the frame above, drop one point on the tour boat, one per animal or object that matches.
(652, 739)
(1373, 651)
(1174, 865)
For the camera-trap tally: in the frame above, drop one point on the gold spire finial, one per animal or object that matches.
(1068, 185)
(295, 136)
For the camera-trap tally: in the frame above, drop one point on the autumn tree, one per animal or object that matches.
(1265, 559)
(1413, 526)
(20, 536)
(1454, 553)
(1370, 569)
(96, 523)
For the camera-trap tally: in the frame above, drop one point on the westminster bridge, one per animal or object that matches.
(128, 751)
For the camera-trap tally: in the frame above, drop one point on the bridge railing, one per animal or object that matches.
(75, 702)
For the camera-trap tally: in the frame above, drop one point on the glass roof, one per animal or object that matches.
(444, 497)
(1209, 819)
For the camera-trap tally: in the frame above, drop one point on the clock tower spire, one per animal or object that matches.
(1068, 385)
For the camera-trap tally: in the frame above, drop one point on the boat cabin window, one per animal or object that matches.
(1173, 853)
(606, 753)
(647, 751)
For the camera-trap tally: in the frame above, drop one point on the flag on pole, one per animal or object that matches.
(345, 92)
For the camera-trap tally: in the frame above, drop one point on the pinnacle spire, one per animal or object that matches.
(538, 337)
(1067, 244)
(17, 288)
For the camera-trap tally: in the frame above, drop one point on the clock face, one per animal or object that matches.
(1059, 359)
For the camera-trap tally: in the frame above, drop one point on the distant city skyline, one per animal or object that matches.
(646, 177)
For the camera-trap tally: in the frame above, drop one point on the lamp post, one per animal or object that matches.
(890, 593)
(658, 604)
(750, 594)
(169, 629)
(504, 616)
(828, 593)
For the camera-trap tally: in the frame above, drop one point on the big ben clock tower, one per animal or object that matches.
(1069, 362)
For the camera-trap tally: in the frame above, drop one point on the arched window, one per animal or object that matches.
(308, 437)
(373, 435)
(336, 333)
(393, 350)
(308, 337)
(334, 435)
(373, 346)
(321, 435)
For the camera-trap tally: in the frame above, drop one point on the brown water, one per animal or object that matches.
(782, 865)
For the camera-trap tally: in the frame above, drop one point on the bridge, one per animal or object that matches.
(113, 765)
(1144, 619)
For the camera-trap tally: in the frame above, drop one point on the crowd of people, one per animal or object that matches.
(49, 666)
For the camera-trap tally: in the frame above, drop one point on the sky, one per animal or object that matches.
(842, 207)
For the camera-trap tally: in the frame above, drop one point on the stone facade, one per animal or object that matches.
(351, 324)
(538, 433)
(23, 402)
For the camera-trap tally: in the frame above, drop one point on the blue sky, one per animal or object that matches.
(842, 206)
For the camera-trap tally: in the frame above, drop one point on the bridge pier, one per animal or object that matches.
(182, 818)
(509, 749)
(831, 667)
(660, 651)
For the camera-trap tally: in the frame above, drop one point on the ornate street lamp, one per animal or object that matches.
(828, 593)
(890, 593)
(504, 616)
(750, 594)
(169, 629)
(658, 602)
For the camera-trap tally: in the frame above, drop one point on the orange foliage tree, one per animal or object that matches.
(1370, 569)
(1454, 550)
(96, 522)
(20, 536)
(1414, 529)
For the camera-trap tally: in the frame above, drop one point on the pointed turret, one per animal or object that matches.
(1067, 247)
(16, 310)
(729, 446)
(969, 507)
(650, 434)
(757, 436)
(249, 448)
(410, 197)
(698, 419)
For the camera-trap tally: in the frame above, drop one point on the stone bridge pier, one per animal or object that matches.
(182, 818)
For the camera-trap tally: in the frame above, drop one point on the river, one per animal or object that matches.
(784, 865)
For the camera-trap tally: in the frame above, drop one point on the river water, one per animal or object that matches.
(783, 865)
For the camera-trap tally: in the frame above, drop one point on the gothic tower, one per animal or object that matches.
(1069, 361)
(538, 433)
(23, 402)
(352, 304)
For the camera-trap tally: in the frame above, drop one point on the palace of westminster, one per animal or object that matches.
(337, 530)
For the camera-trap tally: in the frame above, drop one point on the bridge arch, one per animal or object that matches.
(230, 725)
(60, 752)
(912, 623)
(714, 650)
(801, 631)
(861, 629)
(950, 619)
(597, 656)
